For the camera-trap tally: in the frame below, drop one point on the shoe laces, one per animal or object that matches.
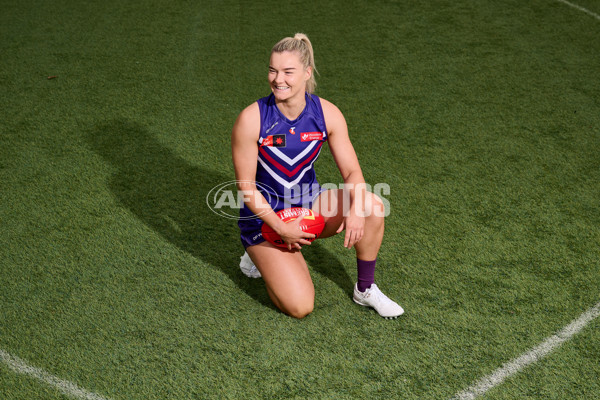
(374, 293)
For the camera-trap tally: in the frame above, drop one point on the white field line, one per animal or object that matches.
(67, 388)
(585, 10)
(532, 356)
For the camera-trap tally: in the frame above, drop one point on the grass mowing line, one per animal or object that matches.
(67, 388)
(585, 10)
(532, 356)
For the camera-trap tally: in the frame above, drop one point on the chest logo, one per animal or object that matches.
(310, 136)
(293, 130)
(272, 126)
(274, 141)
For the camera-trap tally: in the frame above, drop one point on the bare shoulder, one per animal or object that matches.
(329, 108)
(334, 119)
(247, 123)
(249, 116)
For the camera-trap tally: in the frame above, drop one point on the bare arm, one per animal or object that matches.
(347, 162)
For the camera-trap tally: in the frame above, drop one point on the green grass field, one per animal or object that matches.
(482, 116)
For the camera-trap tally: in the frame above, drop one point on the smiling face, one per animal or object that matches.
(287, 75)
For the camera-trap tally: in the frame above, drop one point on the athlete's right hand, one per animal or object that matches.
(293, 236)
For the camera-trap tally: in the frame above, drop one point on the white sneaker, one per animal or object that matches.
(248, 267)
(372, 297)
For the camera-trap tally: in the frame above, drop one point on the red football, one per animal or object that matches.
(312, 223)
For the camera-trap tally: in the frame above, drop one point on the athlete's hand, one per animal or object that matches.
(355, 229)
(293, 236)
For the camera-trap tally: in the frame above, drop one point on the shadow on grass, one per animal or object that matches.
(168, 195)
(326, 264)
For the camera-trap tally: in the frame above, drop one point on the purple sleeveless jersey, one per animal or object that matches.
(285, 173)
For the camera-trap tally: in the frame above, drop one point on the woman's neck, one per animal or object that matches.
(292, 108)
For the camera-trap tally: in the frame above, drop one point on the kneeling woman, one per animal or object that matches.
(275, 142)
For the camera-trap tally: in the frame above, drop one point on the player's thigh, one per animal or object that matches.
(332, 205)
(287, 277)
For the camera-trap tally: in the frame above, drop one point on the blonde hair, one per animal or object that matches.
(302, 45)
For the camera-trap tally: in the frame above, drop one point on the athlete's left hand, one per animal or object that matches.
(355, 229)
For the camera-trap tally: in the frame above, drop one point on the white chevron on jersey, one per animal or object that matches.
(282, 181)
(292, 161)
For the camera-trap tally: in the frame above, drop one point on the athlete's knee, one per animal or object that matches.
(300, 309)
(375, 206)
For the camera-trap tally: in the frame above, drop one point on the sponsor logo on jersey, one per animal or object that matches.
(274, 141)
(310, 136)
(272, 126)
(293, 130)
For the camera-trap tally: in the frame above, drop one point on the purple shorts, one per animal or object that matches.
(250, 232)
